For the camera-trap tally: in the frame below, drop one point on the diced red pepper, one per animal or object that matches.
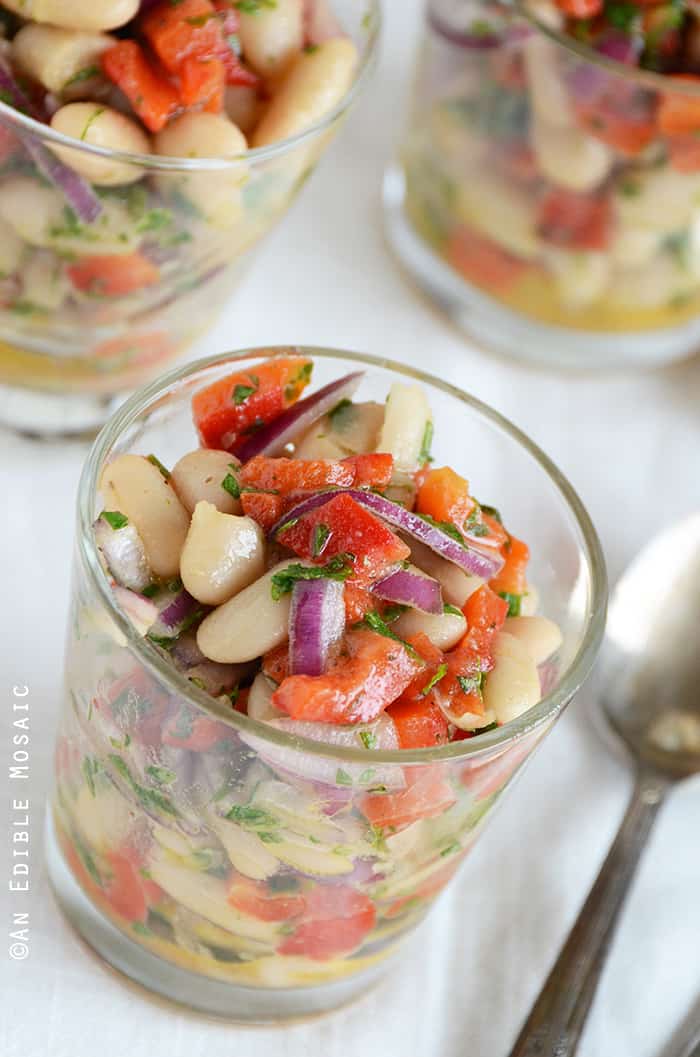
(256, 899)
(679, 114)
(427, 890)
(580, 8)
(460, 689)
(275, 663)
(512, 578)
(358, 602)
(202, 83)
(347, 529)
(113, 275)
(574, 220)
(684, 152)
(483, 262)
(444, 496)
(188, 731)
(236, 72)
(152, 96)
(418, 719)
(124, 888)
(312, 475)
(228, 411)
(373, 470)
(336, 920)
(426, 795)
(622, 118)
(264, 508)
(370, 673)
(177, 31)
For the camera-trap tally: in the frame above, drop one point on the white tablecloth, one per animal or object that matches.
(630, 445)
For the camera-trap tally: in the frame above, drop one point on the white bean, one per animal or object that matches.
(54, 57)
(502, 213)
(513, 686)
(248, 625)
(11, 250)
(549, 97)
(540, 636)
(100, 126)
(198, 476)
(216, 195)
(30, 209)
(222, 554)
(76, 14)
(656, 285)
(260, 699)
(349, 430)
(242, 106)
(272, 37)
(632, 247)
(530, 602)
(580, 277)
(44, 280)
(316, 83)
(249, 855)
(443, 629)
(406, 419)
(137, 488)
(457, 586)
(570, 157)
(659, 199)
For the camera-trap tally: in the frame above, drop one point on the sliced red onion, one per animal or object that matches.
(411, 587)
(175, 613)
(473, 561)
(124, 554)
(142, 612)
(620, 47)
(462, 38)
(327, 769)
(316, 624)
(78, 193)
(273, 438)
(186, 653)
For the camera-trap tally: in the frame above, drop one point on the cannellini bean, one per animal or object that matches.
(222, 554)
(569, 157)
(656, 285)
(242, 106)
(30, 209)
(349, 430)
(315, 84)
(444, 629)
(659, 199)
(248, 854)
(502, 213)
(100, 126)
(102, 818)
(11, 250)
(198, 475)
(248, 625)
(44, 280)
(260, 699)
(530, 602)
(272, 37)
(540, 636)
(137, 488)
(632, 247)
(580, 277)
(456, 585)
(76, 14)
(549, 97)
(215, 194)
(513, 686)
(55, 57)
(406, 419)
(546, 12)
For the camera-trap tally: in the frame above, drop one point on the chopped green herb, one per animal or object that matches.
(242, 392)
(148, 797)
(492, 511)
(393, 612)
(85, 74)
(155, 220)
(337, 413)
(338, 568)
(287, 525)
(302, 376)
(150, 591)
(282, 882)
(141, 929)
(486, 729)
(451, 848)
(166, 642)
(342, 777)
(455, 611)
(439, 674)
(375, 623)
(90, 768)
(23, 308)
(247, 815)
(270, 838)
(91, 120)
(368, 739)
(231, 485)
(309, 49)
(234, 695)
(514, 602)
(320, 539)
(472, 684)
(447, 527)
(367, 776)
(115, 519)
(120, 745)
(426, 444)
(155, 461)
(162, 775)
(254, 7)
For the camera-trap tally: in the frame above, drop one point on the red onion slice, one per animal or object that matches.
(78, 193)
(124, 554)
(175, 615)
(473, 561)
(411, 587)
(316, 624)
(273, 438)
(142, 612)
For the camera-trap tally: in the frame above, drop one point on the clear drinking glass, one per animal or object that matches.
(228, 865)
(542, 195)
(89, 311)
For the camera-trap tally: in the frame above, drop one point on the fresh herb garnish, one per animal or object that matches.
(471, 684)
(91, 120)
(338, 568)
(161, 775)
(148, 797)
(375, 623)
(342, 777)
(337, 413)
(253, 817)
(451, 848)
(393, 612)
(90, 768)
(155, 220)
(368, 739)
(320, 539)
(254, 7)
(426, 444)
(155, 461)
(230, 484)
(115, 519)
(300, 379)
(85, 74)
(439, 674)
(514, 602)
(455, 611)
(242, 392)
(447, 527)
(492, 511)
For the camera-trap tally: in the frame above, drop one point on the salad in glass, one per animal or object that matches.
(549, 184)
(303, 663)
(144, 151)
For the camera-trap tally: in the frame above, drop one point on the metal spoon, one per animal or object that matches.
(651, 700)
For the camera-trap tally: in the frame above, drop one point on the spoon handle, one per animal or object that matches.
(555, 1024)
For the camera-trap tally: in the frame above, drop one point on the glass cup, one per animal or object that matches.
(90, 311)
(235, 868)
(546, 196)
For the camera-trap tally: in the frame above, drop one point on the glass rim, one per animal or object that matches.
(547, 708)
(660, 82)
(166, 163)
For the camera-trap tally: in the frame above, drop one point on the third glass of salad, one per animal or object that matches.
(324, 608)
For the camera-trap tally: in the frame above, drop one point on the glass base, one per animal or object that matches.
(36, 413)
(245, 1005)
(498, 328)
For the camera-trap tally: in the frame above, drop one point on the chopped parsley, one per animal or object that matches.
(300, 379)
(91, 121)
(375, 623)
(320, 539)
(471, 684)
(254, 7)
(342, 777)
(439, 674)
(492, 511)
(338, 568)
(454, 611)
(155, 461)
(426, 444)
(90, 769)
(155, 220)
(447, 527)
(393, 612)
(368, 739)
(148, 797)
(161, 775)
(242, 392)
(514, 602)
(230, 484)
(115, 519)
(338, 413)
(85, 74)
(451, 848)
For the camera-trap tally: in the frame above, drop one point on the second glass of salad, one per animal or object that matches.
(145, 149)
(324, 608)
(547, 191)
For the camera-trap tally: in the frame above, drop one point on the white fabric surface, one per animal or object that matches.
(629, 443)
